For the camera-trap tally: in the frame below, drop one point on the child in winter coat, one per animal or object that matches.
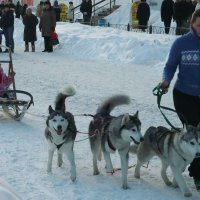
(5, 81)
(71, 12)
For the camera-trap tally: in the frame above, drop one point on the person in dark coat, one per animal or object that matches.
(30, 22)
(57, 10)
(7, 24)
(1, 8)
(23, 10)
(86, 9)
(143, 14)
(182, 13)
(167, 13)
(47, 25)
(18, 9)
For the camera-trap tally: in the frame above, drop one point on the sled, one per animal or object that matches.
(14, 102)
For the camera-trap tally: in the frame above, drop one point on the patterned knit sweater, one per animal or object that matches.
(185, 54)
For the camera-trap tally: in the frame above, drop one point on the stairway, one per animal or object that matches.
(102, 14)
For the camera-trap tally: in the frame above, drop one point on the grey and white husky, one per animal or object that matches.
(175, 149)
(61, 131)
(109, 133)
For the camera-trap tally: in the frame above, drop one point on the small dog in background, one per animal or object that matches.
(61, 132)
(109, 133)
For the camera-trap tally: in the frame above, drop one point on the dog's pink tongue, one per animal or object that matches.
(59, 132)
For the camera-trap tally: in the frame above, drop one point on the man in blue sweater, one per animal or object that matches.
(185, 54)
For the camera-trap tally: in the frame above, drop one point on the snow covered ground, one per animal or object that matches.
(99, 62)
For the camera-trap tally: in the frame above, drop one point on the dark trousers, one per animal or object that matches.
(142, 25)
(189, 108)
(167, 24)
(86, 19)
(47, 43)
(8, 33)
(32, 43)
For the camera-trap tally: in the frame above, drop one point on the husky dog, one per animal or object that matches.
(175, 149)
(108, 133)
(61, 131)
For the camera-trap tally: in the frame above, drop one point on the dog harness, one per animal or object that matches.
(58, 146)
(157, 139)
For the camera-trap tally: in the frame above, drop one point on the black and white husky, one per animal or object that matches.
(61, 131)
(110, 133)
(175, 149)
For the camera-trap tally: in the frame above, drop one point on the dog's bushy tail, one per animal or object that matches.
(62, 95)
(109, 104)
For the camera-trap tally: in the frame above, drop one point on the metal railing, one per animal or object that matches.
(149, 29)
(76, 10)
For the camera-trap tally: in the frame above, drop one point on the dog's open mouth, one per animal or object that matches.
(58, 131)
(136, 142)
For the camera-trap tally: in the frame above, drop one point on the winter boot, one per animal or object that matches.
(26, 48)
(33, 48)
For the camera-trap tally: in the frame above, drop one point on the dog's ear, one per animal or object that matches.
(185, 128)
(125, 119)
(198, 126)
(50, 110)
(136, 114)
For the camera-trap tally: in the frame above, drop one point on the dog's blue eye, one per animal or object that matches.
(133, 129)
(192, 143)
(62, 120)
(54, 120)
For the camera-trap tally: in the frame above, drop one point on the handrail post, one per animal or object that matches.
(94, 7)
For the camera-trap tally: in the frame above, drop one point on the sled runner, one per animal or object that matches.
(14, 102)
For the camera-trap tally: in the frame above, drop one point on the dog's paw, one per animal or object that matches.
(73, 178)
(125, 186)
(96, 172)
(49, 171)
(187, 194)
(174, 183)
(168, 183)
(137, 175)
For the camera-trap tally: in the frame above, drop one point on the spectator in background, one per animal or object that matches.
(184, 56)
(11, 5)
(167, 13)
(30, 22)
(86, 9)
(39, 9)
(143, 14)
(47, 25)
(1, 8)
(57, 10)
(7, 24)
(23, 11)
(179, 15)
(71, 12)
(18, 9)
(183, 10)
(189, 10)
